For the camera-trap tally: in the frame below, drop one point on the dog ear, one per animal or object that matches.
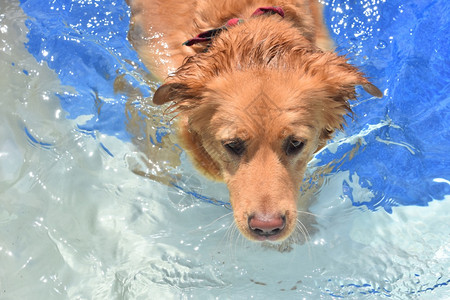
(344, 74)
(168, 92)
(371, 89)
(341, 80)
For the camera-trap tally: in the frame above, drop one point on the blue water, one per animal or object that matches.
(403, 46)
(85, 43)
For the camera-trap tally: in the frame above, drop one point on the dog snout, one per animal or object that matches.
(266, 226)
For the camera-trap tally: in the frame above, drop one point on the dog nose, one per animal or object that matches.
(266, 225)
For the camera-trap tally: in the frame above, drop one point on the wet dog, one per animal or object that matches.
(256, 91)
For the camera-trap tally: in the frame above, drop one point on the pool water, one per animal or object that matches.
(97, 200)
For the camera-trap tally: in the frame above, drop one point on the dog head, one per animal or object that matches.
(255, 123)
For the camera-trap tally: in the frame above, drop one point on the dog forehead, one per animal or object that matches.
(261, 121)
(263, 89)
(261, 104)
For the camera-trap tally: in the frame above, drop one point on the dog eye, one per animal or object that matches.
(293, 146)
(236, 147)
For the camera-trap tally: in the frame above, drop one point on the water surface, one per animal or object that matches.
(97, 201)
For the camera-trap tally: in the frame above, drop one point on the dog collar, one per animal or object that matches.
(207, 36)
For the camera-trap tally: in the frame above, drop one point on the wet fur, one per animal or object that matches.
(264, 82)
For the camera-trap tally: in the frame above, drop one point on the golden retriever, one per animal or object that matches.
(256, 92)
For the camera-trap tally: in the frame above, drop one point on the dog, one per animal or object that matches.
(256, 90)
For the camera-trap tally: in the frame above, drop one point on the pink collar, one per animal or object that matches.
(207, 36)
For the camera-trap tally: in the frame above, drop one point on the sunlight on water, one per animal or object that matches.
(97, 201)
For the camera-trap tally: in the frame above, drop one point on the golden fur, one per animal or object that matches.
(254, 108)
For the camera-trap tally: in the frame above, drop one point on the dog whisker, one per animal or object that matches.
(225, 240)
(233, 236)
(229, 232)
(310, 214)
(218, 219)
(200, 228)
(304, 231)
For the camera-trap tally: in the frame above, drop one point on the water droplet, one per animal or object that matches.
(381, 45)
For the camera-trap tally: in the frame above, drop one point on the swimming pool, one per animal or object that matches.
(99, 202)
